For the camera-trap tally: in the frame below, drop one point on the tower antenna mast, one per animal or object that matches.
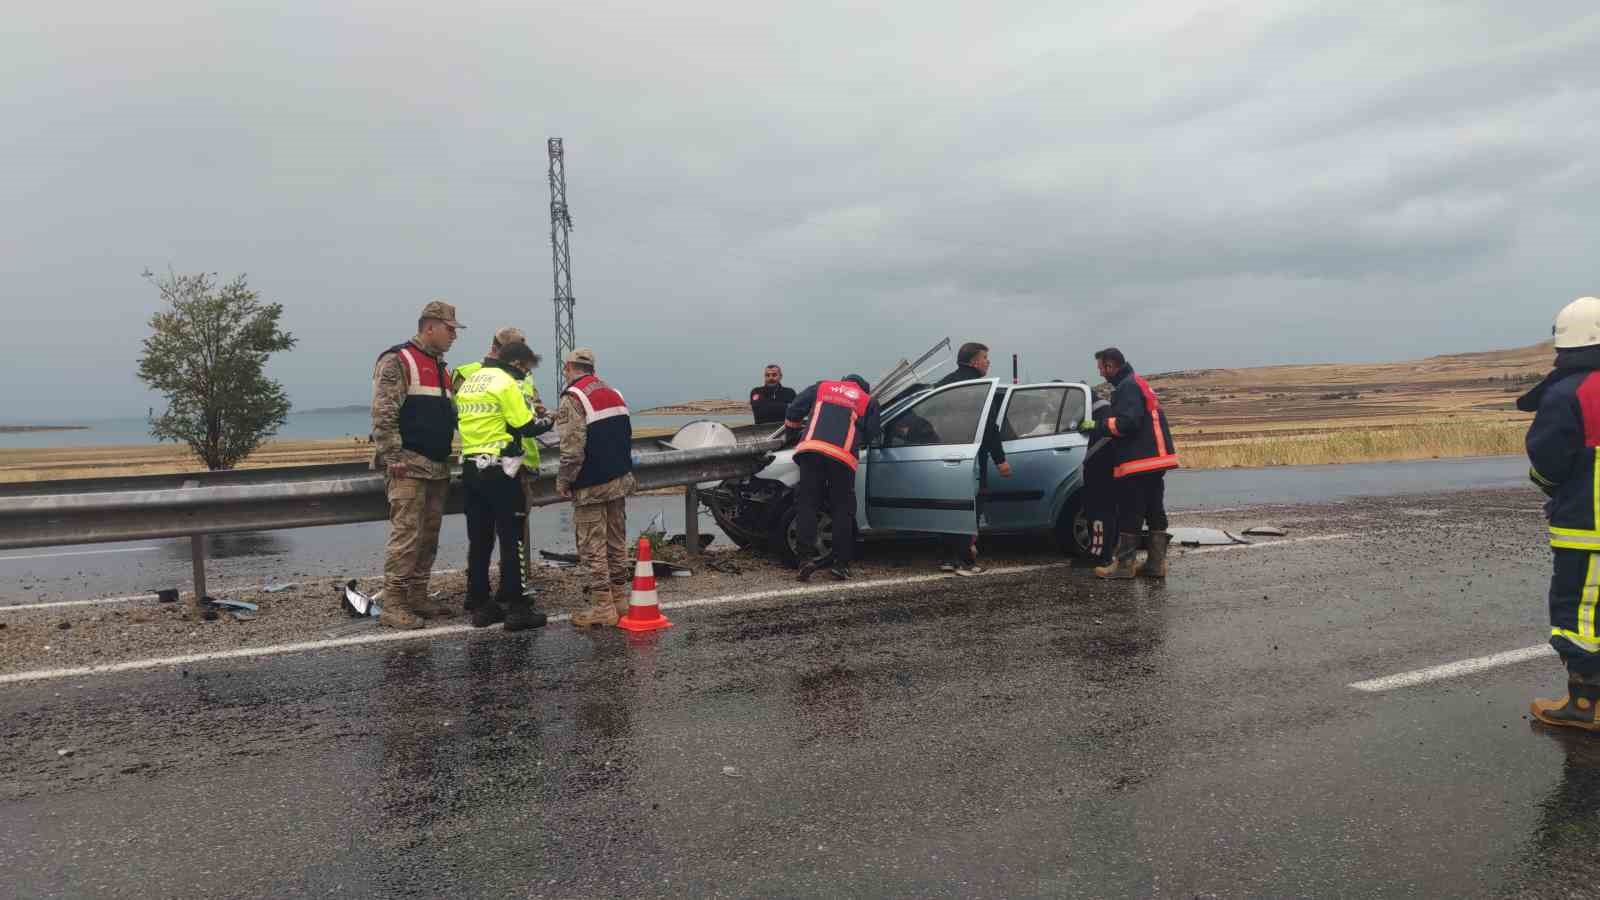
(560, 257)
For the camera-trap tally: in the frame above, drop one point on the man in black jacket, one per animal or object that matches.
(961, 550)
(770, 401)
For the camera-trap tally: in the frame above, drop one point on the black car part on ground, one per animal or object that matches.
(747, 510)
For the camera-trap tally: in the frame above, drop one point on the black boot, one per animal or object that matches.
(485, 612)
(1577, 708)
(520, 616)
(810, 566)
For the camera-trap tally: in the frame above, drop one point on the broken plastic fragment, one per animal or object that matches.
(1204, 537)
(231, 604)
(276, 588)
(666, 569)
(1265, 531)
(167, 595)
(358, 604)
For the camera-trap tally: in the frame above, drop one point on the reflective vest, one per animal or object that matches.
(489, 405)
(427, 417)
(832, 432)
(1143, 440)
(608, 453)
(530, 393)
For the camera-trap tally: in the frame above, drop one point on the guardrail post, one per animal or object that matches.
(691, 519)
(197, 552)
(197, 556)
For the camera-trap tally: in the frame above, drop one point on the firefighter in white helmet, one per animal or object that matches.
(1562, 446)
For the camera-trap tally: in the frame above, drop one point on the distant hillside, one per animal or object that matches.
(1455, 367)
(335, 410)
(1457, 385)
(699, 408)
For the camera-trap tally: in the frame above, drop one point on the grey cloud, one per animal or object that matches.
(824, 185)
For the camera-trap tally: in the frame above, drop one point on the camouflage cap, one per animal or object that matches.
(581, 355)
(510, 335)
(444, 312)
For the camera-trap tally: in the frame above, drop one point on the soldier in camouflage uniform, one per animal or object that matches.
(597, 473)
(413, 427)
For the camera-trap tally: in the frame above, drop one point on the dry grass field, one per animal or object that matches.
(35, 464)
(1442, 406)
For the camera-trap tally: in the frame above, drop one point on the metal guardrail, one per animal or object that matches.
(311, 499)
(311, 496)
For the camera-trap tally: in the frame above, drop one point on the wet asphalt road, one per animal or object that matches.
(73, 573)
(1033, 734)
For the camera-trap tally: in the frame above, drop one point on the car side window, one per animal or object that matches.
(1033, 412)
(948, 417)
(1074, 410)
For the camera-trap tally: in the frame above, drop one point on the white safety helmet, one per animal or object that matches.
(1578, 324)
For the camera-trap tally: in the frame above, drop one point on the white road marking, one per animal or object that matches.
(79, 553)
(385, 637)
(837, 587)
(1455, 669)
(712, 601)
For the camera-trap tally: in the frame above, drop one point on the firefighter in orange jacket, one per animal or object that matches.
(837, 419)
(1142, 442)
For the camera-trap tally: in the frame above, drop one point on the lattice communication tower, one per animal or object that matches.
(561, 257)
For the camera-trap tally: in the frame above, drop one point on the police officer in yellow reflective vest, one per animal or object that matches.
(530, 392)
(1562, 445)
(495, 424)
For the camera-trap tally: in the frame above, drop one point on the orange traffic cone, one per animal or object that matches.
(644, 612)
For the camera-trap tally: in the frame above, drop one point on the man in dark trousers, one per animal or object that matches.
(1099, 487)
(961, 550)
(1561, 445)
(834, 420)
(1143, 451)
(769, 403)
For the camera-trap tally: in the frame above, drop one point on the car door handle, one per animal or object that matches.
(952, 460)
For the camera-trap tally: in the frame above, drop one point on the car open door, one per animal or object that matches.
(923, 473)
(1038, 429)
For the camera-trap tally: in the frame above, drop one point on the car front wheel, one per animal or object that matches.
(1074, 532)
(785, 540)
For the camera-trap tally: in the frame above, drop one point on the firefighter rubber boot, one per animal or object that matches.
(520, 615)
(1577, 708)
(1123, 561)
(1155, 566)
(603, 612)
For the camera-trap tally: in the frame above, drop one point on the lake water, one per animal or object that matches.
(301, 426)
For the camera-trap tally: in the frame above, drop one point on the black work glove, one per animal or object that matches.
(791, 437)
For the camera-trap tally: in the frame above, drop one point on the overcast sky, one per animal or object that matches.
(824, 185)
